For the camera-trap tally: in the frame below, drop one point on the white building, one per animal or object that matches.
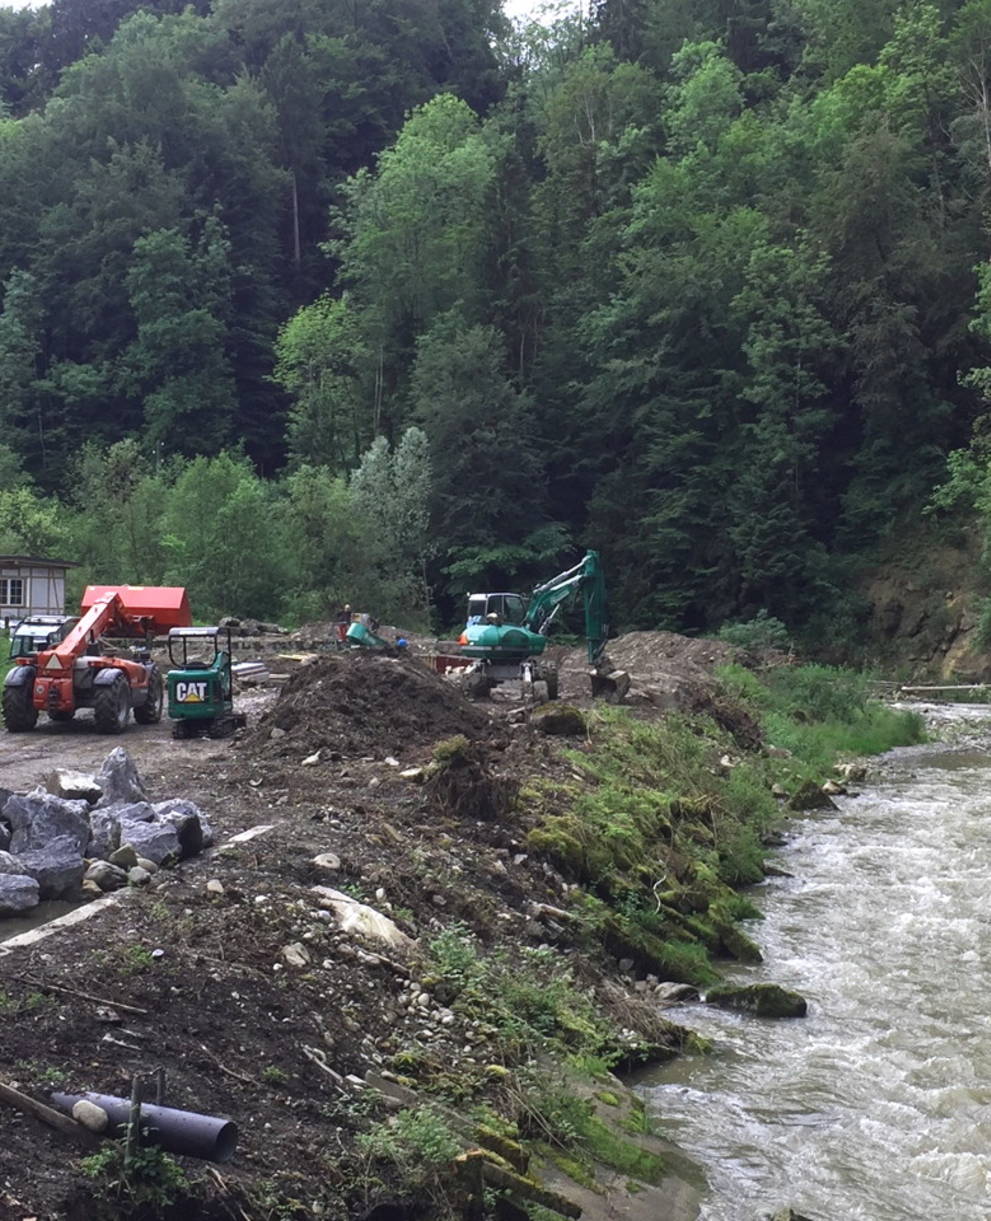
(30, 586)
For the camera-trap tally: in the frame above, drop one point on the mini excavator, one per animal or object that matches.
(506, 634)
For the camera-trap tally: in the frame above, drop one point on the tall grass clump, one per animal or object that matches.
(820, 713)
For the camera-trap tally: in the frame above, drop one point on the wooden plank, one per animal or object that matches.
(54, 1119)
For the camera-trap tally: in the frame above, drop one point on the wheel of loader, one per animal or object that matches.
(62, 715)
(150, 713)
(112, 706)
(19, 712)
(478, 686)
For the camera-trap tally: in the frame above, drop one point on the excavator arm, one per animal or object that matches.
(584, 580)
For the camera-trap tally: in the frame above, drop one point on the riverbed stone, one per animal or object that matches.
(57, 867)
(18, 893)
(809, 796)
(138, 876)
(125, 857)
(764, 1000)
(39, 818)
(106, 876)
(119, 779)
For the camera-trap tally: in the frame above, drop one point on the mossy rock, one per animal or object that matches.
(578, 853)
(809, 796)
(764, 1000)
(679, 959)
(736, 943)
(559, 720)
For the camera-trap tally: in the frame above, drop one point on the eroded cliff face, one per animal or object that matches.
(925, 597)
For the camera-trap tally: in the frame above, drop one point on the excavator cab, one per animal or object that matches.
(507, 608)
(201, 685)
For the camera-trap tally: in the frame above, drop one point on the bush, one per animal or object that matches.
(761, 632)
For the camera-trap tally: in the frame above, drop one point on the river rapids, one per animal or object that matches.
(877, 1106)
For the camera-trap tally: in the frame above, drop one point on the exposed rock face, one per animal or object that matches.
(764, 1000)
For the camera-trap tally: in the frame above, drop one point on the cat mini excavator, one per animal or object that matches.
(506, 634)
(73, 668)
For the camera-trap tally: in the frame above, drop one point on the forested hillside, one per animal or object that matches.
(701, 283)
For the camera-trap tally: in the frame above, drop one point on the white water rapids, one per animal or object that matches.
(877, 1106)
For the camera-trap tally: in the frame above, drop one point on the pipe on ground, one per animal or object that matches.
(184, 1132)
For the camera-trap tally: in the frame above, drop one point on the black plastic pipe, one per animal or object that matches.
(202, 1136)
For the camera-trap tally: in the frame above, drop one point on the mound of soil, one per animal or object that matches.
(645, 654)
(360, 704)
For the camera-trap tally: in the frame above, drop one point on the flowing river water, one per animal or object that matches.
(877, 1106)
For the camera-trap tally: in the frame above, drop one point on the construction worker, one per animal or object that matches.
(343, 622)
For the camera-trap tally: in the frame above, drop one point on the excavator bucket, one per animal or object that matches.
(154, 608)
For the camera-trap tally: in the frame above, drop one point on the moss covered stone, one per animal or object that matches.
(736, 943)
(559, 720)
(764, 1000)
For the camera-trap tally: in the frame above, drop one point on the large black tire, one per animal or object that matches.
(150, 713)
(112, 706)
(62, 715)
(19, 713)
(551, 678)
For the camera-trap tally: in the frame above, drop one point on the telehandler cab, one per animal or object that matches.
(201, 691)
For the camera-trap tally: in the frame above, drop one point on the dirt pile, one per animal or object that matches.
(360, 704)
(647, 655)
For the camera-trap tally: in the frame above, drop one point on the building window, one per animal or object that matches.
(11, 591)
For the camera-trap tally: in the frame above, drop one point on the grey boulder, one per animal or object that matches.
(159, 842)
(192, 827)
(73, 786)
(18, 893)
(57, 867)
(119, 779)
(104, 834)
(39, 818)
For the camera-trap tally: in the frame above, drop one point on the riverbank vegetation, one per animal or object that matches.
(714, 271)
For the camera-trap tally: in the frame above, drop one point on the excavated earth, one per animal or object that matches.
(239, 1027)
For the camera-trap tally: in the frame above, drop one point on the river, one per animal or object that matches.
(877, 1106)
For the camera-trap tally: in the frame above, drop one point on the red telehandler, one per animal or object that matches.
(78, 672)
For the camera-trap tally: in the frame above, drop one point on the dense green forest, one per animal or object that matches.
(314, 299)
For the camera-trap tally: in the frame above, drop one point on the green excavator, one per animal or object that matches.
(506, 634)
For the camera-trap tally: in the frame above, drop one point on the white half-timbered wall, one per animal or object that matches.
(41, 589)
